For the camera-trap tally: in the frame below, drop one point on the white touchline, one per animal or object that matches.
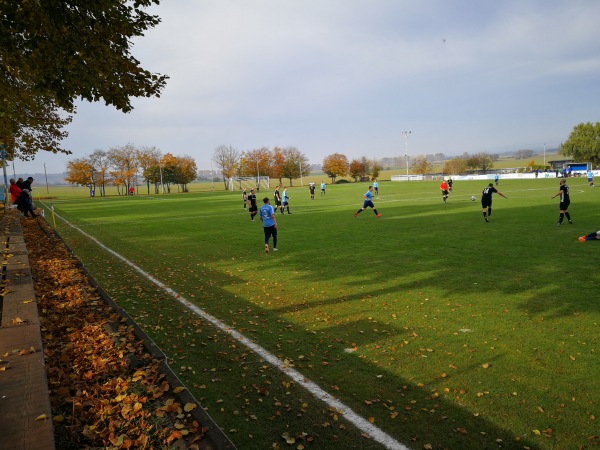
(361, 423)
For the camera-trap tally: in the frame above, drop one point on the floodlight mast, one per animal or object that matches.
(406, 134)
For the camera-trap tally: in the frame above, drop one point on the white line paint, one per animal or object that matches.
(360, 422)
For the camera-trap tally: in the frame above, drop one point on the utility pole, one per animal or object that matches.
(406, 134)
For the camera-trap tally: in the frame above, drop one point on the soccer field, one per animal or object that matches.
(427, 324)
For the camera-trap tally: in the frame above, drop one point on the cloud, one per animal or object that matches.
(350, 75)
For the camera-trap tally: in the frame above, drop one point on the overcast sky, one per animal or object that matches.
(349, 76)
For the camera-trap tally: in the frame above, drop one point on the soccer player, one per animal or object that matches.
(593, 236)
(253, 207)
(286, 201)
(590, 176)
(444, 188)
(277, 197)
(311, 189)
(565, 200)
(376, 187)
(322, 188)
(449, 184)
(368, 203)
(244, 198)
(486, 200)
(267, 217)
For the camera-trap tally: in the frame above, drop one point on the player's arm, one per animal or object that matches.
(502, 195)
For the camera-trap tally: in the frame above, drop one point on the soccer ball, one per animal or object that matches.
(473, 198)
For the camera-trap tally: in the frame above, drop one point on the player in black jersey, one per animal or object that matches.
(486, 200)
(253, 208)
(565, 200)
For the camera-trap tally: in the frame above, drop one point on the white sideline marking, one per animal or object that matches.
(361, 423)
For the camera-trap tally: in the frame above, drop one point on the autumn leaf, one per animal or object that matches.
(189, 406)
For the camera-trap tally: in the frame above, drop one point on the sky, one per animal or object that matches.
(350, 76)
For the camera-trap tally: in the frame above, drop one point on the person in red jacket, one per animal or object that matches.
(444, 188)
(14, 190)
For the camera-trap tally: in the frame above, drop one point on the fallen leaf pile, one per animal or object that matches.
(105, 389)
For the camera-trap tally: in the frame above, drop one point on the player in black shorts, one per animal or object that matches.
(253, 208)
(277, 198)
(565, 200)
(486, 200)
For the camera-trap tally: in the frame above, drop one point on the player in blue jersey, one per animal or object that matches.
(267, 217)
(368, 203)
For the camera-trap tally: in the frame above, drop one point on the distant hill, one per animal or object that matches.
(54, 179)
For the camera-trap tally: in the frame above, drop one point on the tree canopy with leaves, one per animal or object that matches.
(584, 143)
(54, 52)
(335, 165)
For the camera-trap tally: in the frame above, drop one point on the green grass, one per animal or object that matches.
(440, 328)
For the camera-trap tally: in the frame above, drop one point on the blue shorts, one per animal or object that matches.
(368, 203)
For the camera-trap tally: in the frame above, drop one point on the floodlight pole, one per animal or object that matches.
(544, 156)
(406, 134)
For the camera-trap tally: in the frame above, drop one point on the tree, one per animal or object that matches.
(455, 166)
(149, 161)
(486, 161)
(583, 143)
(68, 49)
(421, 165)
(356, 169)
(28, 122)
(375, 171)
(227, 160)
(255, 163)
(186, 171)
(335, 165)
(100, 164)
(124, 164)
(365, 166)
(277, 164)
(295, 164)
(81, 172)
(480, 161)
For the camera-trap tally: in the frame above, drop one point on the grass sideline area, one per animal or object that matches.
(436, 327)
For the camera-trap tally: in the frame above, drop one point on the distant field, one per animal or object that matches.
(428, 323)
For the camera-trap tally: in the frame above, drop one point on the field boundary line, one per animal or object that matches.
(358, 421)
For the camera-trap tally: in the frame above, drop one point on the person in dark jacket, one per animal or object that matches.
(24, 203)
